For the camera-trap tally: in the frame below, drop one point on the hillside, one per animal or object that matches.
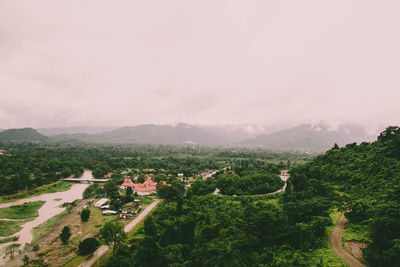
(21, 135)
(160, 134)
(367, 177)
(309, 137)
(74, 130)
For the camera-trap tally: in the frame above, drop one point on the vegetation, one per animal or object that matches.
(113, 234)
(85, 214)
(368, 177)
(193, 227)
(9, 239)
(26, 211)
(65, 235)
(40, 230)
(87, 246)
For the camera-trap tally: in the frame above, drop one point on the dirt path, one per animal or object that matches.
(336, 244)
(103, 249)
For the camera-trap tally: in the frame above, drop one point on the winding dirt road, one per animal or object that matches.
(336, 244)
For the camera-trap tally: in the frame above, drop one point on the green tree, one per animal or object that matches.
(113, 234)
(88, 246)
(129, 191)
(85, 214)
(65, 235)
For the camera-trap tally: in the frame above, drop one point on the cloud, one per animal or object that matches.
(208, 62)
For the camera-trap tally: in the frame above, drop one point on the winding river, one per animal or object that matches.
(48, 210)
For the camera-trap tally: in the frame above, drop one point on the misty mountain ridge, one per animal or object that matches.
(305, 137)
(315, 137)
(74, 130)
(22, 135)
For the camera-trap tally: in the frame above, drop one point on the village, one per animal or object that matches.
(120, 196)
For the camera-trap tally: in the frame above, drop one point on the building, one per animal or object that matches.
(144, 189)
(108, 175)
(101, 202)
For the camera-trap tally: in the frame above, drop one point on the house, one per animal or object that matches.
(109, 212)
(108, 175)
(147, 188)
(127, 182)
(101, 202)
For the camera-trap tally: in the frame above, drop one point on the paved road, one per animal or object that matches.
(103, 249)
(336, 244)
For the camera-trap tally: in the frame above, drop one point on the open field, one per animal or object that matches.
(8, 239)
(26, 211)
(15, 216)
(8, 228)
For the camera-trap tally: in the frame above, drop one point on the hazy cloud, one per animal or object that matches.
(128, 62)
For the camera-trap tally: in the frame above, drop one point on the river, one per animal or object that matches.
(48, 210)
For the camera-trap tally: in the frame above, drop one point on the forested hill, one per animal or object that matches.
(21, 135)
(309, 137)
(368, 176)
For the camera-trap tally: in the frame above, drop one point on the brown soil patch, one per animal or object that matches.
(355, 248)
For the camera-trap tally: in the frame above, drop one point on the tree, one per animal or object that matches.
(129, 191)
(113, 234)
(88, 246)
(26, 260)
(111, 189)
(85, 214)
(65, 235)
(141, 178)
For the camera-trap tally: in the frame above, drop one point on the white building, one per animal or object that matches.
(101, 202)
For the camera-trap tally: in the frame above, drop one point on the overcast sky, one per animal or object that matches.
(112, 63)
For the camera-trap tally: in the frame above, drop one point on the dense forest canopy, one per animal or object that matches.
(30, 165)
(201, 229)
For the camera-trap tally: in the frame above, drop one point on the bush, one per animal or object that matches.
(65, 235)
(85, 214)
(87, 246)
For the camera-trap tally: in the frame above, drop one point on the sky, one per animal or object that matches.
(118, 63)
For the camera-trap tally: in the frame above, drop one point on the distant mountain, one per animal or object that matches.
(75, 130)
(22, 135)
(160, 134)
(312, 137)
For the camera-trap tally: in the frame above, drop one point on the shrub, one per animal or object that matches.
(85, 214)
(65, 235)
(89, 245)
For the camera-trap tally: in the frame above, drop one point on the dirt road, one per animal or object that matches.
(336, 244)
(103, 249)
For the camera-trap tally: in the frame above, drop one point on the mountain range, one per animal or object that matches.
(305, 137)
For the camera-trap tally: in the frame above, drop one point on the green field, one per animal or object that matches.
(26, 211)
(9, 239)
(8, 228)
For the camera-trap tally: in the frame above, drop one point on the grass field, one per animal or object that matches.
(21, 214)
(59, 186)
(26, 211)
(8, 228)
(9, 239)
